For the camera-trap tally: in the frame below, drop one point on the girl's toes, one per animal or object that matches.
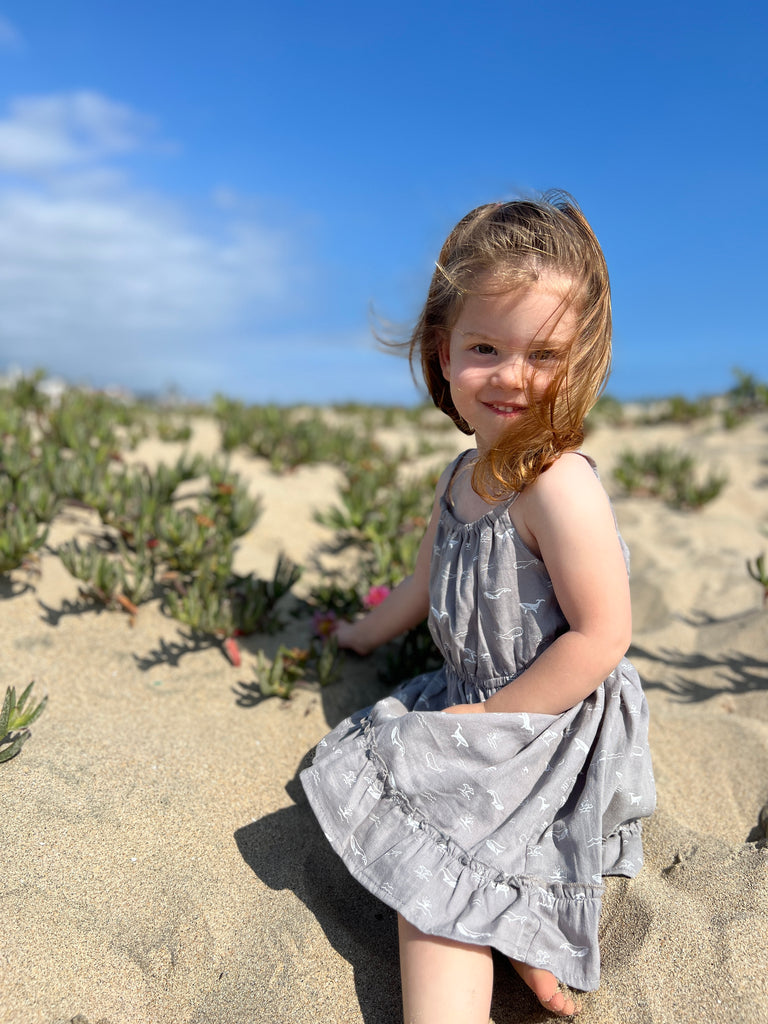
(560, 1004)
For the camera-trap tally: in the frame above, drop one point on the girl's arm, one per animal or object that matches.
(568, 513)
(407, 605)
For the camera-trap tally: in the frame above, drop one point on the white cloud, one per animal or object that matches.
(49, 133)
(124, 262)
(99, 279)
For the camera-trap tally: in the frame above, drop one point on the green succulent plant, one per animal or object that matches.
(103, 576)
(290, 437)
(384, 518)
(759, 572)
(279, 677)
(21, 536)
(15, 718)
(667, 474)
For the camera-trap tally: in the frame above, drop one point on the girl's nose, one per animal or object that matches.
(510, 372)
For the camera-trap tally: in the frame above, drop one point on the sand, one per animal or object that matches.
(159, 862)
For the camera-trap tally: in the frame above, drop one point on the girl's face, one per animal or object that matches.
(504, 350)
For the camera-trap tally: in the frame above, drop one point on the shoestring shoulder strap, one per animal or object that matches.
(456, 466)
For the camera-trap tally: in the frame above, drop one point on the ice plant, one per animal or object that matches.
(759, 573)
(15, 719)
(279, 678)
(324, 624)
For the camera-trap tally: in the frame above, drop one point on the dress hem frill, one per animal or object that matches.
(477, 904)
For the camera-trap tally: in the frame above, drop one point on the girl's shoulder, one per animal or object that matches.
(571, 469)
(568, 490)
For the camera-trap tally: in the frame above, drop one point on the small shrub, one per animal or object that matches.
(677, 409)
(326, 661)
(747, 397)
(189, 541)
(607, 410)
(759, 573)
(26, 395)
(171, 429)
(84, 419)
(103, 576)
(667, 474)
(385, 520)
(331, 598)
(21, 536)
(229, 503)
(680, 409)
(27, 502)
(278, 678)
(15, 719)
(202, 605)
(291, 665)
(382, 516)
(254, 600)
(289, 437)
(219, 603)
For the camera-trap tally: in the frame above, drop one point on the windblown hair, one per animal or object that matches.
(504, 247)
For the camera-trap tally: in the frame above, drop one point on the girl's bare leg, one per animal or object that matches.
(444, 982)
(544, 986)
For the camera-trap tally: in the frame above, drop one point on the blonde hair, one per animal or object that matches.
(502, 247)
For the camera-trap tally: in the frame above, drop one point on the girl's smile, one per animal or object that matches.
(503, 352)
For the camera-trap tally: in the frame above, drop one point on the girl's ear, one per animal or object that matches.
(444, 353)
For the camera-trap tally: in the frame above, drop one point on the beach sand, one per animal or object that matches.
(160, 864)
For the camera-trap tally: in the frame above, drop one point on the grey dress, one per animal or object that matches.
(493, 829)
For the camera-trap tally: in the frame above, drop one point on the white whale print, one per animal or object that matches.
(432, 764)
(575, 950)
(511, 634)
(495, 799)
(357, 849)
(459, 737)
(470, 934)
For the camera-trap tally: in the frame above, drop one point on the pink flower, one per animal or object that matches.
(324, 624)
(376, 595)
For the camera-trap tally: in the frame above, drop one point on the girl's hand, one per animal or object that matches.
(465, 709)
(348, 636)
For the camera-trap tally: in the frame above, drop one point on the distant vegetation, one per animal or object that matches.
(667, 474)
(169, 534)
(745, 398)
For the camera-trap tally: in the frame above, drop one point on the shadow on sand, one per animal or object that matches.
(359, 927)
(730, 659)
(356, 924)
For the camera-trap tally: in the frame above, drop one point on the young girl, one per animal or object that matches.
(486, 801)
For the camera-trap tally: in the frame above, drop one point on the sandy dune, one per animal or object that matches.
(159, 863)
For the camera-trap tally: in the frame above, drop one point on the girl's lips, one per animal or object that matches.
(504, 409)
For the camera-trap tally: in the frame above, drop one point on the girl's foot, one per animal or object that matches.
(546, 988)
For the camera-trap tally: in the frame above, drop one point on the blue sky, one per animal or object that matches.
(215, 197)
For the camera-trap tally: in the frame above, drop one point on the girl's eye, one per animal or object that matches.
(484, 349)
(546, 355)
